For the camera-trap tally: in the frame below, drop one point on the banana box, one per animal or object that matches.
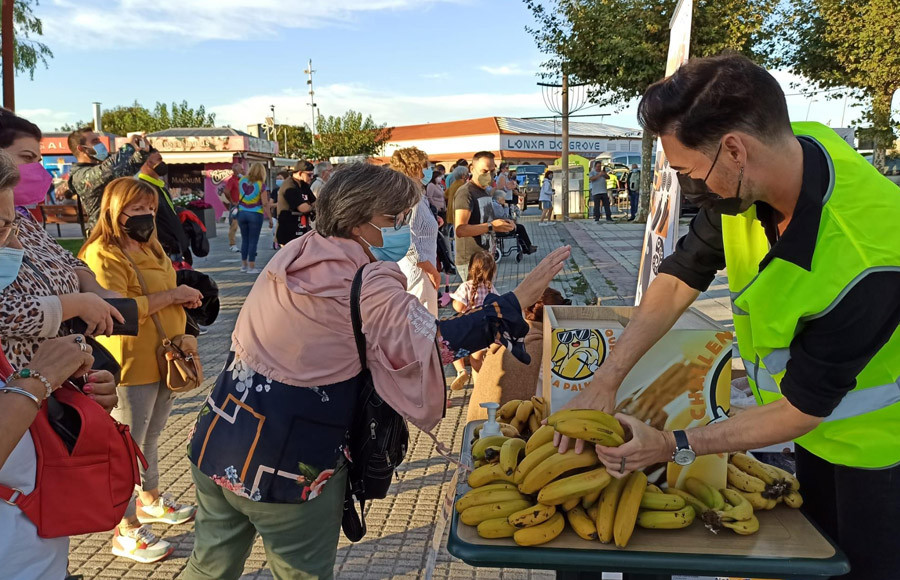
(683, 381)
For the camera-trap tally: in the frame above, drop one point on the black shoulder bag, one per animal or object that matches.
(378, 437)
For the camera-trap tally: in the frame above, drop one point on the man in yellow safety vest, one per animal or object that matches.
(808, 232)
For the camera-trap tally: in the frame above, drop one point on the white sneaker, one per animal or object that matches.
(164, 510)
(254, 271)
(140, 545)
(244, 269)
(234, 249)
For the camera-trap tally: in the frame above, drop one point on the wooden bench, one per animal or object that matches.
(63, 214)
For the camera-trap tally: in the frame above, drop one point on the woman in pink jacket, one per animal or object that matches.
(268, 450)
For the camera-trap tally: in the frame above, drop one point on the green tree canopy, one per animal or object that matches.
(619, 47)
(28, 52)
(122, 120)
(853, 44)
(349, 134)
(294, 141)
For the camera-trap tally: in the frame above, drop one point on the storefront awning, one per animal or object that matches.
(184, 157)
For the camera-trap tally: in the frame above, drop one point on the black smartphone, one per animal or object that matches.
(127, 307)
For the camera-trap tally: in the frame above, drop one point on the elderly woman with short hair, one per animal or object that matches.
(269, 447)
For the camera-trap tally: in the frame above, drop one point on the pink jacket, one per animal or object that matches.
(295, 326)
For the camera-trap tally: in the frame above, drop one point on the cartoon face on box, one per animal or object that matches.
(577, 353)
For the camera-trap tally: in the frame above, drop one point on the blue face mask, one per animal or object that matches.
(278, 182)
(10, 262)
(429, 173)
(100, 152)
(395, 244)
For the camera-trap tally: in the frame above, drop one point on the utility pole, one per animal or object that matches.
(312, 99)
(7, 51)
(565, 147)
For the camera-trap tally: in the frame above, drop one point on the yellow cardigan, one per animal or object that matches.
(136, 354)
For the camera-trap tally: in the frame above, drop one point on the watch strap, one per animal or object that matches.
(681, 440)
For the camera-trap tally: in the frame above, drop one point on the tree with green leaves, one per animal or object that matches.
(28, 52)
(619, 47)
(349, 134)
(122, 120)
(294, 141)
(852, 45)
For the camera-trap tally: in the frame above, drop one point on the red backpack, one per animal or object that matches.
(102, 465)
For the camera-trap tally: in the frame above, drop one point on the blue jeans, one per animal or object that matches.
(634, 198)
(250, 223)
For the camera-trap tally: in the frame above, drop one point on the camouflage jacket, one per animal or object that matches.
(88, 180)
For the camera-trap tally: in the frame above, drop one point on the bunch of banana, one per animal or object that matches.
(581, 523)
(541, 533)
(627, 510)
(664, 511)
(491, 493)
(722, 508)
(553, 467)
(490, 473)
(588, 424)
(505, 429)
(750, 476)
(524, 416)
(579, 485)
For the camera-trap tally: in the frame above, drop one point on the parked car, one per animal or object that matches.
(891, 167)
(529, 178)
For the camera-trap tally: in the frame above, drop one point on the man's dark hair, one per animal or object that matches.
(465, 163)
(76, 138)
(708, 97)
(478, 156)
(13, 126)
(284, 174)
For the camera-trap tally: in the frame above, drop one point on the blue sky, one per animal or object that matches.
(402, 61)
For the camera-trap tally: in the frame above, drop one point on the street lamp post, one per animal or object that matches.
(811, 101)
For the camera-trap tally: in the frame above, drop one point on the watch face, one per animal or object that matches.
(684, 457)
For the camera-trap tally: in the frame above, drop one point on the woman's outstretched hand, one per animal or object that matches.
(532, 287)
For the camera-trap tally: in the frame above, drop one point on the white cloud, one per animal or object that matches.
(185, 22)
(50, 119)
(385, 107)
(506, 70)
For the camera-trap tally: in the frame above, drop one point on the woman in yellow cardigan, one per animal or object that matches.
(127, 225)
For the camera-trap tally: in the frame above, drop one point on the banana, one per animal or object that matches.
(476, 514)
(488, 474)
(651, 488)
(524, 411)
(699, 506)
(577, 485)
(666, 520)
(593, 511)
(509, 430)
(496, 528)
(555, 466)
(752, 466)
(629, 504)
(755, 498)
(534, 459)
(481, 496)
(544, 434)
(604, 419)
(519, 426)
(582, 523)
(570, 503)
(792, 482)
(492, 454)
(771, 504)
(744, 528)
(588, 430)
(744, 481)
(793, 499)
(591, 498)
(506, 412)
(481, 445)
(531, 516)
(509, 455)
(661, 501)
(541, 533)
(739, 507)
(533, 423)
(606, 514)
(540, 408)
(479, 463)
(705, 493)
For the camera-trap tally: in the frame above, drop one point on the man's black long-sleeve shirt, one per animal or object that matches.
(829, 352)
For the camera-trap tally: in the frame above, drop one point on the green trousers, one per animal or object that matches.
(300, 539)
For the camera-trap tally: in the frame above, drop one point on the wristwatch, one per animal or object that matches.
(490, 228)
(684, 453)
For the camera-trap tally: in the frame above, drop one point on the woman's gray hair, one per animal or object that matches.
(460, 172)
(9, 172)
(358, 191)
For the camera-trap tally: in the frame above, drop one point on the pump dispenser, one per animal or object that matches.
(491, 427)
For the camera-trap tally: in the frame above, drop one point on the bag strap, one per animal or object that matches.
(356, 317)
(140, 277)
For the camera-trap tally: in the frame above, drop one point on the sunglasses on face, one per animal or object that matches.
(570, 336)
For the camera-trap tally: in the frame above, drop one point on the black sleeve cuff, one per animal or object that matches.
(498, 320)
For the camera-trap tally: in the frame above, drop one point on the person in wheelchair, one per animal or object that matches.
(503, 210)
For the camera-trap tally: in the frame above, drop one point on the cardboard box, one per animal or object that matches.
(683, 381)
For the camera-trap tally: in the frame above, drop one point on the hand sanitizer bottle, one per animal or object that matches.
(490, 427)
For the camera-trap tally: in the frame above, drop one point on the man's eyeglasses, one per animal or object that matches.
(401, 219)
(8, 228)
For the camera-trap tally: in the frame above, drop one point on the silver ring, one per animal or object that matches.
(622, 466)
(83, 346)
(79, 339)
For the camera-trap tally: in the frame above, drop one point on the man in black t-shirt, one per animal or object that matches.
(295, 204)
